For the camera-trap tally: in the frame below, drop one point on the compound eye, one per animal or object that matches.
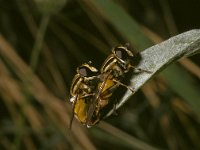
(86, 72)
(83, 71)
(121, 53)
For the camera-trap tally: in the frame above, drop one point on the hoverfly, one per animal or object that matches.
(117, 64)
(91, 91)
(82, 91)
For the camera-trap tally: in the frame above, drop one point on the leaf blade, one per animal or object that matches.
(157, 57)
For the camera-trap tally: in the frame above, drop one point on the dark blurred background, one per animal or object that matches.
(53, 37)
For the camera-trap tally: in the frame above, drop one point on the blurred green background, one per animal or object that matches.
(53, 37)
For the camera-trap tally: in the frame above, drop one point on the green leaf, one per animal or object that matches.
(122, 22)
(49, 7)
(190, 92)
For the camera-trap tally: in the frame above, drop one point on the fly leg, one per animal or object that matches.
(87, 95)
(72, 115)
(118, 82)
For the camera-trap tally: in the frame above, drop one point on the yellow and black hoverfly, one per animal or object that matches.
(117, 64)
(91, 91)
(82, 91)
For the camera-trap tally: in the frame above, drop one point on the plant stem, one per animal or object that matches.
(38, 41)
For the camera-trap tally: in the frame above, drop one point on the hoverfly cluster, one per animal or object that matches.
(91, 90)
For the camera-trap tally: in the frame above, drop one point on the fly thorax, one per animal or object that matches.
(117, 71)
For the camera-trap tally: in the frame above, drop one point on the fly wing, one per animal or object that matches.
(95, 99)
